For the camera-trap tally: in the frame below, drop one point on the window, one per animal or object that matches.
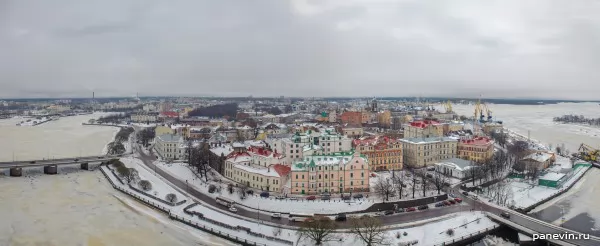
(296, 176)
(319, 176)
(302, 176)
(351, 175)
(362, 175)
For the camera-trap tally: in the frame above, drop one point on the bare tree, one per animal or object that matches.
(171, 198)
(145, 185)
(243, 189)
(439, 181)
(318, 229)
(422, 174)
(384, 188)
(368, 229)
(129, 174)
(415, 180)
(399, 184)
(230, 188)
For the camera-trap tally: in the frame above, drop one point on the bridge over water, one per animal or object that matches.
(51, 165)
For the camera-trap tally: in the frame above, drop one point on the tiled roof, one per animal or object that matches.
(477, 141)
(423, 123)
(282, 170)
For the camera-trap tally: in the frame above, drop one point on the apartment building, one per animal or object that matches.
(382, 152)
(242, 168)
(169, 146)
(478, 149)
(145, 117)
(420, 152)
(334, 173)
(423, 129)
(295, 148)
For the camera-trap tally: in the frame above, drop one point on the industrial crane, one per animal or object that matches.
(489, 113)
(587, 153)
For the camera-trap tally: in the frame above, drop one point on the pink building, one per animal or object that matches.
(335, 172)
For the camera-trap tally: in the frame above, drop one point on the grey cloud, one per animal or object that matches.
(299, 48)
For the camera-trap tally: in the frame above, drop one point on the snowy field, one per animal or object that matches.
(181, 171)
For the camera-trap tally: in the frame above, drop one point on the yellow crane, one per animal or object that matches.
(448, 107)
(488, 112)
(587, 153)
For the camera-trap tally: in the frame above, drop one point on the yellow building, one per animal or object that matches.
(163, 130)
(383, 153)
(479, 149)
(419, 152)
(423, 129)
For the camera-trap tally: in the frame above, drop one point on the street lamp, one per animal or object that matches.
(187, 187)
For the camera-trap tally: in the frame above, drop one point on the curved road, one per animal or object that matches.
(523, 220)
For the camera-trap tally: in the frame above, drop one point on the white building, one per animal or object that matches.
(144, 117)
(454, 167)
(258, 169)
(170, 147)
(311, 142)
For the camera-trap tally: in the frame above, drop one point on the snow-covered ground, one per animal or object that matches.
(159, 188)
(333, 206)
(527, 193)
(406, 192)
(428, 234)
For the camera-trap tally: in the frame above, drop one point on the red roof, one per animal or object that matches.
(477, 141)
(169, 114)
(237, 154)
(282, 170)
(423, 123)
(373, 140)
(263, 151)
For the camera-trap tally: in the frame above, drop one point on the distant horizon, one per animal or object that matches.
(306, 97)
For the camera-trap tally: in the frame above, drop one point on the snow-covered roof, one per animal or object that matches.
(552, 176)
(169, 138)
(225, 150)
(456, 163)
(427, 140)
(538, 156)
(238, 145)
(261, 171)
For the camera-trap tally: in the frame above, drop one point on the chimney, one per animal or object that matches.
(269, 169)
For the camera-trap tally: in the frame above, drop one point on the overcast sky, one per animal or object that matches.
(503, 48)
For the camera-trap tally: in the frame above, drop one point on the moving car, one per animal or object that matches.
(411, 209)
(439, 204)
(423, 207)
(233, 209)
(465, 193)
(340, 217)
(276, 216)
(325, 197)
(358, 196)
(505, 215)
(388, 212)
(458, 200)
(264, 194)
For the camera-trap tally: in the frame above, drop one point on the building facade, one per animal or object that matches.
(382, 152)
(169, 146)
(478, 149)
(423, 129)
(144, 117)
(350, 117)
(420, 152)
(242, 168)
(333, 173)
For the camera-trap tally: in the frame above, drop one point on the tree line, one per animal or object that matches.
(216, 111)
(116, 147)
(578, 119)
(113, 118)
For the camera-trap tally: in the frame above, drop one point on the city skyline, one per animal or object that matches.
(540, 49)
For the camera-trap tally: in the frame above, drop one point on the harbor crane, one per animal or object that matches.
(587, 153)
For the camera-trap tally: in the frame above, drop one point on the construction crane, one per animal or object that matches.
(587, 153)
(448, 107)
(489, 113)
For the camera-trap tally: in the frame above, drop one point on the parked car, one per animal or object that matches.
(76, 159)
(388, 212)
(293, 198)
(452, 201)
(346, 198)
(505, 215)
(340, 217)
(423, 207)
(411, 209)
(325, 198)
(447, 203)
(400, 210)
(358, 196)
(264, 194)
(276, 216)
(465, 193)
(250, 192)
(280, 197)
(233, 209)
(310, 198)
(212, 188)
(439, 204)
(458, 200)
